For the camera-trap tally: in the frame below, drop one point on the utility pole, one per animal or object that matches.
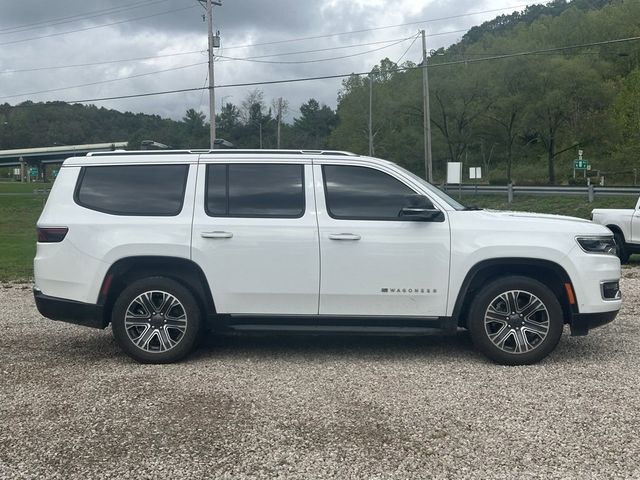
(212, 94)
(370, 115)
(426, 115)
(279, 119)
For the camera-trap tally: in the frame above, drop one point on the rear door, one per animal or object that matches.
(255, 235)
(373, 262)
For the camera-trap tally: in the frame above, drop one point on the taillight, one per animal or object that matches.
(51, 234)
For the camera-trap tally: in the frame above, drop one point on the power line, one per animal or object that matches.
(407, 50)
(178, 68)
(192, 52)
(168, 70)
(103, 81)
(77, 17)
(344, 75)
(535, 52)
(318, 59)
(350, 32)
(98, 26)
(106, 62)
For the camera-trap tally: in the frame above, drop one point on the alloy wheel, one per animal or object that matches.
(155, 321)
(516, 321)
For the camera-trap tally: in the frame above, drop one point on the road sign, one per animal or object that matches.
(581, 164)
(454, 172)
(33, 171)
(475, 172)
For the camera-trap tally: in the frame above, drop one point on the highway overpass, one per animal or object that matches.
(38, 159)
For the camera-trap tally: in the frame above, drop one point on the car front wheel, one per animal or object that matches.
(515, 320)
(156, 320)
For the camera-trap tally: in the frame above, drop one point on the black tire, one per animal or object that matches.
(525, 338)
(623, 252)
(166, 334)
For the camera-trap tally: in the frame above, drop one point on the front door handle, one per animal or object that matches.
(216, 234)
(344, 236)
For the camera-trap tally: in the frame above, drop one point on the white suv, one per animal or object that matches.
(163, 245)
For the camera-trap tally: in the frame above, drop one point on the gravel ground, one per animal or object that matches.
(73, 406)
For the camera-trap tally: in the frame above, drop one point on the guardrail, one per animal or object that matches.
(590, 191)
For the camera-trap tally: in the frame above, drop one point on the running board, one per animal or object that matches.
(336, 324)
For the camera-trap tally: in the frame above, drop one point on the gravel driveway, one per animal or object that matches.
(73, 406)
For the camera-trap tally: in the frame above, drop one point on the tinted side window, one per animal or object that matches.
(133, 189)
(217, 198)
(363, 193)
(251, 190)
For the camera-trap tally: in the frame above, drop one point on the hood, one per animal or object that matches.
(539, 222)
(541, 216)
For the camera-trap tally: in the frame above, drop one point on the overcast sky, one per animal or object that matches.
(109, 31)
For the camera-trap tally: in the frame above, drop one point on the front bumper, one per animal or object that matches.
(86, 314)
(581, 323)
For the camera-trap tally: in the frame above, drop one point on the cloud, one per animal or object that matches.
(241, 22)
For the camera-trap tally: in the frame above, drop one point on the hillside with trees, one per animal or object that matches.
(522, 117)
(507, 97)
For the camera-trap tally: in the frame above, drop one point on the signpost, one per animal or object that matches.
(454, 175)
(454, 172)
(475, 173)
(581, 164)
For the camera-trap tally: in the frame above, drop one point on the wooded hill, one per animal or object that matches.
(522, 118)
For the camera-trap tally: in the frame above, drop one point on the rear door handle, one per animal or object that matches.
(216, 234)
(344, 236)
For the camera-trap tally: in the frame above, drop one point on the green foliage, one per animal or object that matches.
(527, 115)
(252, 125)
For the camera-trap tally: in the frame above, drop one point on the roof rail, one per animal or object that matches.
(223, 151)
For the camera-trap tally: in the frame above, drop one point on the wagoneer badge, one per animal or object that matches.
(412, 291)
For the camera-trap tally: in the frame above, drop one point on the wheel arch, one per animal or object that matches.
(616, 229)
(129, 269)
(545, 271)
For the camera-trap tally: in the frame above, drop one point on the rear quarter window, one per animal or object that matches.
(142, 190)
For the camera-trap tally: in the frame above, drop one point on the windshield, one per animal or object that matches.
(436, 191)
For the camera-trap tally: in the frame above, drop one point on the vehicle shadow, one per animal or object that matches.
(303, 346)
(90, 346)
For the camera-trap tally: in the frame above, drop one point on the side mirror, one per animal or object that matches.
(419, 208)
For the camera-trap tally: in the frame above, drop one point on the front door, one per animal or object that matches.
(256, 237)
(374, 262)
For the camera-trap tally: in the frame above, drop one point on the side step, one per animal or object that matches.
(315, 324)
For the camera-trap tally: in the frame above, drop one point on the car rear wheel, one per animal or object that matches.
(515, 320)
(156, 320)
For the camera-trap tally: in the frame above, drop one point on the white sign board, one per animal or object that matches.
(475, 172)
(454, 172)
(16, 171)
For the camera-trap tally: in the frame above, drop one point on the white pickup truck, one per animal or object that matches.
(625, 225)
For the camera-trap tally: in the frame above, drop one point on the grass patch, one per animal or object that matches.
(18, 216)
(17, 187)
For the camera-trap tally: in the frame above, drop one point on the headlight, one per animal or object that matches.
(598, 245)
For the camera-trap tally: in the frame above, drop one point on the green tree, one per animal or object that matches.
(314, 125)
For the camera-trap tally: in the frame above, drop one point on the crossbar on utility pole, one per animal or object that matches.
(426, 115)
